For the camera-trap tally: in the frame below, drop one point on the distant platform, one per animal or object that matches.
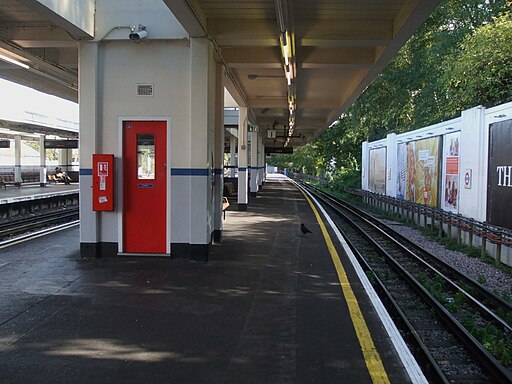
(33, 192)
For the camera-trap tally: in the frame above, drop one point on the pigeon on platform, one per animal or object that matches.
(304, 230)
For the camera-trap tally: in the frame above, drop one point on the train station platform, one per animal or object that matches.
(13, 194)
(268, 307)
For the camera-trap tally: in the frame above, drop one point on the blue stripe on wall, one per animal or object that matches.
(190, 171)
(182, 171)
(174, 171)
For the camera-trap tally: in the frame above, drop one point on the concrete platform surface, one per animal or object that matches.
(267, 308)
(30, 192)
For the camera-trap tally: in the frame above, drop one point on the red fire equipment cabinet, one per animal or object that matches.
(102, 182)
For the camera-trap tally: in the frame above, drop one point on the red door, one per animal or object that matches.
(144, 186)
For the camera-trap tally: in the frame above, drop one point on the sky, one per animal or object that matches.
(23, 104)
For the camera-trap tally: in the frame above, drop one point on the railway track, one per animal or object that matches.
(22, 228)
(446, 318)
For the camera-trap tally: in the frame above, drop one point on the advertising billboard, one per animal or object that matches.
(377, 174)
(450, 187)
(499, 176)
(423, 171)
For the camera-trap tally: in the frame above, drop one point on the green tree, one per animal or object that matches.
(481, 74)
(459, 58)
(306, 159)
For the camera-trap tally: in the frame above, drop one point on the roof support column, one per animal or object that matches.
(202, 120)
(243, 197)
(64, 158)
(261, 162)
(254, 163)
(232, 161)
(219, 151)
(17, 159)
(89, 137)
(42, 161)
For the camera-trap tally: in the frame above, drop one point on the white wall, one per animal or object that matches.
(473, 156)
(365, 159)
(166, 60)
(474, 148)
(473, 126)
(124, 65)
(113, 17)
(391, 143)
(391, 163)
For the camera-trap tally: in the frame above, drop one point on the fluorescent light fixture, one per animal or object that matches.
(289, 77)
(12, 61)
(284, 38)
(285, 47)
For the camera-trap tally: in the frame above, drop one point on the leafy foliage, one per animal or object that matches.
(482, 73)
(461, 57)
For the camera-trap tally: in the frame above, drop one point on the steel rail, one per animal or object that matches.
(427, 257)
(34, 235)
(493, 367)
(35, 222)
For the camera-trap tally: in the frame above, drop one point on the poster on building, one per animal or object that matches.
(450, 187)
(499, 175)
(423, 171)
(377, 175)
(401, 171)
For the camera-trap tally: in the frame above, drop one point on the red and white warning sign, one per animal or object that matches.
(467, 179)
(102, 168)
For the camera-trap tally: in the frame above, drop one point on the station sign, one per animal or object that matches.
(467, 178)
(287, 150)
(60, 144)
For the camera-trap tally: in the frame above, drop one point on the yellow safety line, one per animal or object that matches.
(371, 355)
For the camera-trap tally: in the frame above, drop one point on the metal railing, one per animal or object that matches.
(445, 222)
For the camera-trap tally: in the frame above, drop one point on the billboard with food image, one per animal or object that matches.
(423, 171)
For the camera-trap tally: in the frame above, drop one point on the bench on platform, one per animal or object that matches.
(54, 178)
(225, 205)
(6, 180)
(229, 189)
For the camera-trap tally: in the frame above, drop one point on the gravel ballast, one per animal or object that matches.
(488, 275)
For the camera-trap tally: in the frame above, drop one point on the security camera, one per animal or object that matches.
(137, 35)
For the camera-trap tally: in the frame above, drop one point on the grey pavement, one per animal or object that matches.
(30, 192)
(267, 308)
